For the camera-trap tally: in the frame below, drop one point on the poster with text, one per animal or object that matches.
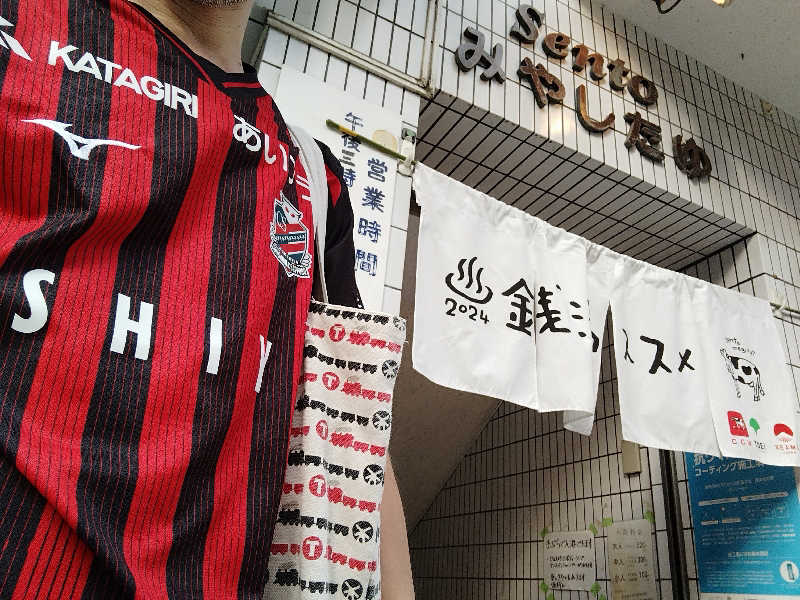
(569, 561)
(368, 174)
(630, 561)
(746, 519)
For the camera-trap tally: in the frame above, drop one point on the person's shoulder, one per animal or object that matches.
(339, 248)
(337, 189)
(331, 162)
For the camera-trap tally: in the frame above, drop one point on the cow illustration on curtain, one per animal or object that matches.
(745, 372)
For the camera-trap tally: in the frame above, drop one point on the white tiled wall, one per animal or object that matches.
(565, 188)
(390, 31)
(755, 157)
(387, 30)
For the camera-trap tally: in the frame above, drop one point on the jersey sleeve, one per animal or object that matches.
(340, 274)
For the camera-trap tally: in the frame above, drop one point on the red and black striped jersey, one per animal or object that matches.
(156, 250)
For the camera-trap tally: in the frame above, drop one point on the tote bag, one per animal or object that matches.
(327, 534)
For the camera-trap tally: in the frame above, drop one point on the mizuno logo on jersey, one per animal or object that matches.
(114, 74)
(80, 147)
(6, 41)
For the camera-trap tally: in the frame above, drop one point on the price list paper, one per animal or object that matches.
(368, 174)
(630, 561)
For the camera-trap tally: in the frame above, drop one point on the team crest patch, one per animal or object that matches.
(289, 239)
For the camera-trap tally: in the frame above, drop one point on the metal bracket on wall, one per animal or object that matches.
(347, 54)
(672, 515)
(406, 161)
(782, 309)
(781, 306)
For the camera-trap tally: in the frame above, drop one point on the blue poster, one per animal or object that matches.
(746, 519)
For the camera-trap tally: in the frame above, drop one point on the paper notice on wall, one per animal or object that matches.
(569, 561)
(630, 561)
(368, 174)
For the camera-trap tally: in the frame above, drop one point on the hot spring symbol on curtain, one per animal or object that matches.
(482, 293)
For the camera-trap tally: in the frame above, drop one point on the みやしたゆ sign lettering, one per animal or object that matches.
(547, 88)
